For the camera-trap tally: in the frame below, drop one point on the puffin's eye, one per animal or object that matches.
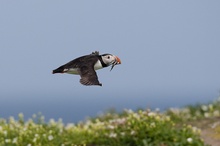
(108, 57)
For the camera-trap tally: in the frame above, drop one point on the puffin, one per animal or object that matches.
(86, 67)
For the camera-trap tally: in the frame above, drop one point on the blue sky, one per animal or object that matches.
(169, 52)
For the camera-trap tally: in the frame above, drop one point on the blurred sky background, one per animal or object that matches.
(170, 53)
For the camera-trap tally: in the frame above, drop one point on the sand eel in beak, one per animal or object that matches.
(85, 66)
(116, 62)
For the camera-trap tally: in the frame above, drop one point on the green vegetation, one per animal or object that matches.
(129, 128)
(195, 112)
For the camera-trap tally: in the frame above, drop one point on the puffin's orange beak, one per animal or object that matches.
(117, 61)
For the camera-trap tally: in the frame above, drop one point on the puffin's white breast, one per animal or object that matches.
(98, 65)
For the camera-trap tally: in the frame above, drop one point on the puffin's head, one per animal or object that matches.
(110, 59)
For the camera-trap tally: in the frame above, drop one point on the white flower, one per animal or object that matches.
(185, 110)
(206, 115)
(132, 132)
(110, 127)
(152, 125)
(210, 106)
(5, 133)
(204, 108)
(129, 111)
(29, 144)
(69, 126)
(122, 133)
(35, 139)
(15, 140)
(112, 135)
(50, 137)
(52, 122)
(189, 140)
(21, 115)
(7, 140)
(157, 118)
(215, 113)
(151, 114)
(11, 119)
(120, 121)
(196, 130)
(175, 110)
(137, 116)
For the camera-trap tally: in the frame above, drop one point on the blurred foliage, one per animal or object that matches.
(128, 128)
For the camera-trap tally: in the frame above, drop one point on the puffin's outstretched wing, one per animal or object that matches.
(88, 76)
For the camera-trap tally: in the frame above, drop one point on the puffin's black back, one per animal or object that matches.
(87, 60)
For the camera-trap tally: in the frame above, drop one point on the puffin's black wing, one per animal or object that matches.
(88, 76)
(87, 60)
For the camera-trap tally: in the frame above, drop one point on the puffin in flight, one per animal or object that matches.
(85, 66)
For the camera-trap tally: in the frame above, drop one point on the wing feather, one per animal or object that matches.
(88, 76)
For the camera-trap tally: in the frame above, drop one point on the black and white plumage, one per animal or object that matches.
(86, 65)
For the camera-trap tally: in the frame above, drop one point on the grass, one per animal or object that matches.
(129, 128)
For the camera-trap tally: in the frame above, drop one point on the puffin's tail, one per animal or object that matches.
(58, 70)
